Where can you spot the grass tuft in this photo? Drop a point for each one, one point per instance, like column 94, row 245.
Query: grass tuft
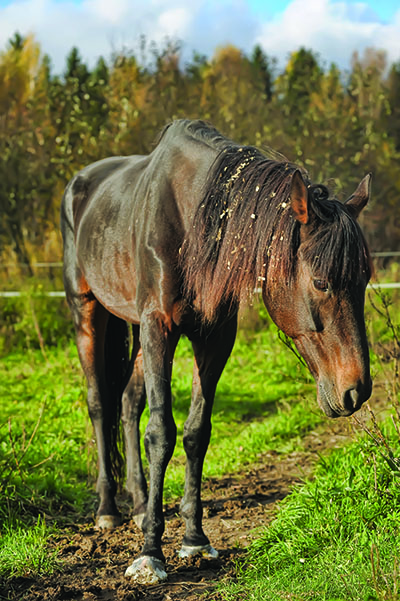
column 24, row 551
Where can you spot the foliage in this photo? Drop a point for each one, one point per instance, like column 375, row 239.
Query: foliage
column 48, row 431
column 265, row 401
column 34, row 320
column 338, row 125
column 44, row 427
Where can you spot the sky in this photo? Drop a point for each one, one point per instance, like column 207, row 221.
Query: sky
column 332, row 28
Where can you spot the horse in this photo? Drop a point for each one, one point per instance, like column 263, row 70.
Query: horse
column 170, row 244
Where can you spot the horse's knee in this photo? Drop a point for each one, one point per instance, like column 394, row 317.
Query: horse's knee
column 160, row 437
column 196, row 436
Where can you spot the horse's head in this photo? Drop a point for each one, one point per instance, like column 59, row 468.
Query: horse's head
column 321, row 305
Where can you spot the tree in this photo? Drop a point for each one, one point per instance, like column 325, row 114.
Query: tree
column 19, row 69
column 300, row 80
column 393, row 97
column 338, row 127
column 263, row 68
column 128, row 97
column 79, row 109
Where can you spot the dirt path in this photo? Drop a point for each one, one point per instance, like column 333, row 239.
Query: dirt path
column 94, row 561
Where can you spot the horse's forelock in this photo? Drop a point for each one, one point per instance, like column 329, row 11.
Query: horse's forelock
column 335, row 248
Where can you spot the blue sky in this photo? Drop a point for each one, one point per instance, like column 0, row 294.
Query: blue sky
column 332, row 28
column 384, row 9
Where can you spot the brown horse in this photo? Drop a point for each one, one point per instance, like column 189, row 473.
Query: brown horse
column 171, row 243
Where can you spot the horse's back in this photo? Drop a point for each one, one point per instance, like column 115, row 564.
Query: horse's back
column 89, row 185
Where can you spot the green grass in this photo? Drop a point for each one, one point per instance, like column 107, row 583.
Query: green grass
column 44, row 398
column 336, row 536
column 46, row 454
column 24, row 551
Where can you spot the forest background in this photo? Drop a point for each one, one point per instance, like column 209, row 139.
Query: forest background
column 338, row 125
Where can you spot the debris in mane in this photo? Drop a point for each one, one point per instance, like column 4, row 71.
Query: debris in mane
column 244, row 228
column 237, row 227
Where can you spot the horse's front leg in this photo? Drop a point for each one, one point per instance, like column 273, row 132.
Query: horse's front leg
column 211, row 353
column 158, row 347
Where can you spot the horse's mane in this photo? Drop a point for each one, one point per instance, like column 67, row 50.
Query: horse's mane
column 244, row 228
column 197, row 130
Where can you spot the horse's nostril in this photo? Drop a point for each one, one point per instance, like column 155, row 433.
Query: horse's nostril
column 350, row 402
column 353, row 398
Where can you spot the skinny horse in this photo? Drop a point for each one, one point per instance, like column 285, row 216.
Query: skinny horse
column 172, row 243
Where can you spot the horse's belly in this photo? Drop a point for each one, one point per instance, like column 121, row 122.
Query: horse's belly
column 117, row 295
column 110, row 274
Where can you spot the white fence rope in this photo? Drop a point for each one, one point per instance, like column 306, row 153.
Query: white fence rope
column 17, row 293
column 61, row 293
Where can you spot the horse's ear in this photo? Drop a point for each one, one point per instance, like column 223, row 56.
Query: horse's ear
column 361, row 196
column 299, row 198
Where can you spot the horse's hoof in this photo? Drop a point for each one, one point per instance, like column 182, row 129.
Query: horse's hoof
column 147, row 570
column 108, row 521
column 138, row 519
column 206, row 551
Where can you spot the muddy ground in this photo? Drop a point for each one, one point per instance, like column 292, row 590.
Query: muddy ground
column 235, row 507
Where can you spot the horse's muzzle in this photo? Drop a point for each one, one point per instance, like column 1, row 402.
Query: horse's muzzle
column 347, row 403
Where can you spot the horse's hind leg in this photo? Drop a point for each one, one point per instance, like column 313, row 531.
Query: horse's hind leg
column 91, row 319
column 90, row 342
column 133, row 403
column 211, row 353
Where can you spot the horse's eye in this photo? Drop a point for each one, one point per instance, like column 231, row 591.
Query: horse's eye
column 321, row 285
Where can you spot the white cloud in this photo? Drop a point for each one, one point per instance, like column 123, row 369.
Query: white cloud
column 174, row 21
column 332, row 28
column 114, row 12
